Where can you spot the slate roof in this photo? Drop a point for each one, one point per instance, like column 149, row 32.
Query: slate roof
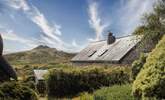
column 100, row 51
column 39, row 74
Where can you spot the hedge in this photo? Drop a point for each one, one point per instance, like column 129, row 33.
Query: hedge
column 65, row 83
column 16, row 91
column 137, row 65
column 150, row 82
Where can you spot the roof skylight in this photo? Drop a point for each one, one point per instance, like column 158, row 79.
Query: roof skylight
column 101, row 54
column 92, row 54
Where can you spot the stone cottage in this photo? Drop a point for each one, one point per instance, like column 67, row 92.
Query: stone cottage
column 122, row 50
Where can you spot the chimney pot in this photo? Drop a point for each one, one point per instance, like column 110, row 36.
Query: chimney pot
column 111, row 38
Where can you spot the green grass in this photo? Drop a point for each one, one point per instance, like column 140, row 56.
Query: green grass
column 117, row 92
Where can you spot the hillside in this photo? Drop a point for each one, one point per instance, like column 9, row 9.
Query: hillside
column 39, row 55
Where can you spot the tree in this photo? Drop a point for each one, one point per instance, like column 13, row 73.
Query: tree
column 153, row 27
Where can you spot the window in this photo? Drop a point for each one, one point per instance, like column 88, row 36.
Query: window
column 92, row 54
column 103, row 53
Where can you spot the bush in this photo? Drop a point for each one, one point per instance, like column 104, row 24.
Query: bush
column 73, row 81
column 116, row 92
column 150, row 82
column 29, row 84
column 16, row 91
column 137, row 65
column 85, row 96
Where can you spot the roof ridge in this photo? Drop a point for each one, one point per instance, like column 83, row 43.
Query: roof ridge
column 116, row 38
column 124, row 36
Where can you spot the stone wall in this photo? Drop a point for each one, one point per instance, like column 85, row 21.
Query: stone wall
column 134, row 54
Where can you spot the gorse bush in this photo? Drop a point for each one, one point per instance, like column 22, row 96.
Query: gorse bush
column 16, row 91
column 86, row 96
column 150, row 82
column 116, row 92
column 137, row 65
column 62, row 83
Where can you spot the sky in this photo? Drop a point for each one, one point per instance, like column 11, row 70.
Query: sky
column 67, row 25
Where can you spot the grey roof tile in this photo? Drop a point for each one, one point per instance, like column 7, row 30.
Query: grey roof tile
column 114, row 52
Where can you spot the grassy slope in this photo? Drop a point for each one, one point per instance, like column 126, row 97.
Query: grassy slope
column 39, row 55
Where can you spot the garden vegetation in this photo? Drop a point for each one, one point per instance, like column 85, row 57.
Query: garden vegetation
column 16, row 91
column 72, row 81
column 150, row 82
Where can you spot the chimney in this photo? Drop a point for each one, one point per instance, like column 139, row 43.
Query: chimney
column 111, row 38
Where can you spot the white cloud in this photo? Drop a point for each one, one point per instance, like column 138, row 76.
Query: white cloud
column 130, row 13
column 95, row 21
column 39, row 19
column 19, row 4
column 11, row 36
column 74, row 43
column 51, row 33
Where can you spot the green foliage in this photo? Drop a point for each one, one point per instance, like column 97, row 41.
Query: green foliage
column 41, row 88
column 153, row 28
column 16, row 91
column 116, row 92
column 86, row 96
column 137, row 65
column 150, row 82
column 140, row 30
column 29, row 84
column 71, row 81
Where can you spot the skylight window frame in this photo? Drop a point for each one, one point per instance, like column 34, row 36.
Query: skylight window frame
column 103, row 53
column 92, row 53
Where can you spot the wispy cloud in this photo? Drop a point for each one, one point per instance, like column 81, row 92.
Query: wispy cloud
column 10, row 35
column 19, row 4
column 130, row 13
column 38, row 18
column 50, row 33
column 95, row 20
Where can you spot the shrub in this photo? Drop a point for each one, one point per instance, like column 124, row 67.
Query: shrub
column 73, row 81
column 86, row 96
column 16, row 91
column 137, row 65
column 29, row 84
column 150, row 82
column 116, row 92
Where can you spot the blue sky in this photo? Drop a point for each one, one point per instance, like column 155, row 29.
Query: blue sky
column 67, row 25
